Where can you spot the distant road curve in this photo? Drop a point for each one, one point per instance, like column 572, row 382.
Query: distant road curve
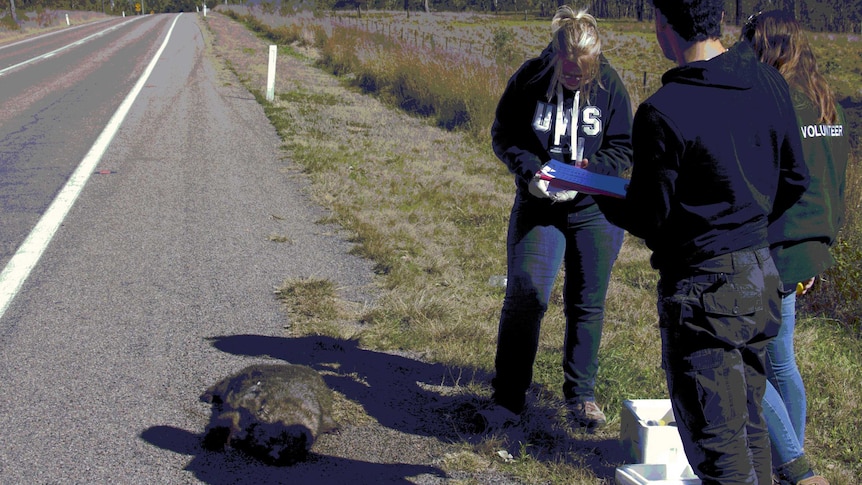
column 37, row 44
column 25, row 258
column 57, row 93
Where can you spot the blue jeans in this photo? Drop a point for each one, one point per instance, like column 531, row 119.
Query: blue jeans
column 716, row 321
column 543, row 237
column 784, row 404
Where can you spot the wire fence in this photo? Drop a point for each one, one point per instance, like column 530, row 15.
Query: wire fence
column 640, row 83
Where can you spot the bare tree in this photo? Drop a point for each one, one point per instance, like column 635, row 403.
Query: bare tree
column 12, row 7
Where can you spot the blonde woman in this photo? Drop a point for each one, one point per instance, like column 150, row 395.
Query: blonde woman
column 800, row 239
column 568, row 104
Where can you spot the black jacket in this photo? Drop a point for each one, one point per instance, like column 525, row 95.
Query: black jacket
column 523, row 142
column 717, row 156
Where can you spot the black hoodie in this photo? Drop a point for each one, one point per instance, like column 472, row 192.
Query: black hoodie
column 524, row 144
column 717, row 156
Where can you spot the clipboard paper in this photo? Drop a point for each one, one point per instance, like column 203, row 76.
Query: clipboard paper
column 563, row 176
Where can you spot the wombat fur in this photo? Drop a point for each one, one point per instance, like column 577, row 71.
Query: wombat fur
column 273, row 412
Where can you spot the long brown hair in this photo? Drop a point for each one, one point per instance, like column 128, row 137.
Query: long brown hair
column 778, row 40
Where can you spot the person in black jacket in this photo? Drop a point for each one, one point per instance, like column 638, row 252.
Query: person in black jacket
column 717, row 156
column 568, row 104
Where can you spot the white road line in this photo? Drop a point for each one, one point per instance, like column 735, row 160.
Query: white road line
column 25, row 259
column 69, row 46
column 53, row 32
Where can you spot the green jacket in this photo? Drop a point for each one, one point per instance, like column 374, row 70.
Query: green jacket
column 801, row 237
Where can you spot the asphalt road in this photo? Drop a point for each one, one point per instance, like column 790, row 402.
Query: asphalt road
column 108, row 343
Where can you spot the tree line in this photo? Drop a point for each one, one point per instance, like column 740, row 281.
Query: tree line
column 816, row 15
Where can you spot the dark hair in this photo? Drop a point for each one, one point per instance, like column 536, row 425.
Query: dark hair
column 693, row 20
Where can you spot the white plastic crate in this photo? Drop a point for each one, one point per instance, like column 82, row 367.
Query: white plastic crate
column 648, row 432
column 656, row 474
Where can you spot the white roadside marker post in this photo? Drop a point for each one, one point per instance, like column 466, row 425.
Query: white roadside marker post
column 270, row 75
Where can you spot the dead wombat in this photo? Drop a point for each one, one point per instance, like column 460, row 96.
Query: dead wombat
column 273, row 412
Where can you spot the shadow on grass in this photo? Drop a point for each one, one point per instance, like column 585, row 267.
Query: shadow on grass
column 400, row 393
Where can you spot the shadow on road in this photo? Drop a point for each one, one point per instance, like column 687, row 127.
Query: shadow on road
column 399, row 392
column 219, row 468
column 402, row 394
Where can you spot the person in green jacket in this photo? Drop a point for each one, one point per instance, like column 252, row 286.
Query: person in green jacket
column 800, row 239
